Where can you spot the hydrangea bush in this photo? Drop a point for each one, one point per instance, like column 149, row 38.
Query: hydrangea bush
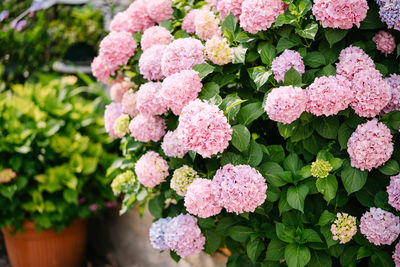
column 266, row 127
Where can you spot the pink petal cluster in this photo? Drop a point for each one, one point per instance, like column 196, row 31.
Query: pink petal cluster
column 340, row 13
column 118, row 89
column 117, row 48
column 138, row 17
column 150, row 63
column 370, row 146
column 328, row 95
column 286, row 103
column 239, row 188
column 394, row 83
column 172, row 145
column 188, row 21
column 151, row 169
column 129, row 100
column 149, row 100
column 224, row 7
column 396, row 255
column 384, row 42
column 181, row 88
column 371, row 93
column 200, row 200
column 159, row 10
column 393, row 191
column 353, row 60
column 182, row 54
column 344, row 227
column 204, row 128
column 285, row 61
column 218, row 51
column 155, row 35
column 206, row 25
column 380, row 227
column 101, row 70
column 111, row 114
column 259, row 15
column 147, row 128
column 184, row 236
column 122, row 22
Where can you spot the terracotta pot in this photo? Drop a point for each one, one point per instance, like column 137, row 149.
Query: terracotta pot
column 47, row 248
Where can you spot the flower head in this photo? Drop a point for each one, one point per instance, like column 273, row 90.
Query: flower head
column 128, row 102
column 389, row 14
column 147, row 128
column 352, row 60
column 396, row 255
column 118, row 89
column 127, row 177
column 224, row 7
column 320, row 168
column 159, row 10
column 101, row 70
column 6, row 175
column 188, row 21
column 218, row 51
column 157, row 233
column 150, row 63
column 393, row 191
column 172, row 145
column 138, row 18
column 394, row 82
column 384, row 42
column 111, row 114
column 285, row 61
column 182, row 178
column 151, row 169
column 344, row 227
column 149, row 100
column 206, row 25
column 121, row 125
column 155, row 35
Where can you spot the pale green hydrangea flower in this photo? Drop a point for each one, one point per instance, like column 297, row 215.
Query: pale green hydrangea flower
column 127, row 177
column 182, row 178
column 320, row 168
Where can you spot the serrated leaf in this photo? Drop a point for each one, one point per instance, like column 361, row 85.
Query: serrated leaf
column 296, row 195
column 240, row 137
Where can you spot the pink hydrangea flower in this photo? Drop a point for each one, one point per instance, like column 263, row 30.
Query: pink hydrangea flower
column 188, row 21
column 344, row 227
column 370, row 146
column 206, row 25
column 181, row 88
column 224, row 7
column 200, row 200
column 155, row 35
column 159, row 10
column 340, row 13
column 394, row 82
column 138, row 17
column 111, row 114
column 218, row 51
column 204, row 128
column 147, row 128
column 352, row 60
column 396, row 255
column 371, row 93
column 150, row 63
column 259, row 15
column 286, row 103
column 239, row 188
column 384, row 42
column 380, row 227
column 172, row 145
column 182, row 54
column 118, row 89
column 184, row 236
column 393, row 191
column 328, row 95
column 285, row 61
column 151, row 169
column 101, row 70
column 129, row 100
column 149, row 99
column 122, row 22
column 117, row 48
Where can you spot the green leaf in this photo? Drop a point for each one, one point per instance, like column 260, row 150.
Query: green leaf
column 336, row 163
column 203, row 69
column 353, row 179
column 344, row 134
column 287, row 43
column 174, row 256
column 233, row 158
column 334, row 35
column 156, row 206
column 326, row 218
column 259, row 75
column 297, row 255
column 225, row 224
column 209, row 90
column 292, row 163
column 267, row 52
column 398, row 50
column 292, row 77
column 372, row 21
column 285, row 233
column 254, row 249
column 239, row 55
column 319, row 259
column 213, row 241
column 275, row 250
column 240, row 233
column 327, row 187
column 71, row 196
column 363, row 252
column 382, row 259
column 249, row 113
column 309, row 31
column 274, row 152
column 231, row 105
column 381, row 199
column 310, row 235
column 254, row 154
column 329, row 70
column 296, row 196
column 240, row 137
column 314, row 59
column 327, row 126
column 272, row 171
column 229, row 23
column 390, row 168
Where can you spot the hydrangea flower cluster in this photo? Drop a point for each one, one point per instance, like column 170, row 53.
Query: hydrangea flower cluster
column 155, row 35
column 150, row 63
column 204, row 128
column 149, row 100
column 188, row 21
column 218, row 51
column 340, row 13
column 328, row 95
column 159, row 10
column 259, row 15
column 224, row 7
column 157, row 233
column 129, row 101
column 393, row 191
column 181, row 88
column 206, row 25
column 118, row 90
column 137, row 16
column 182, row 54
column 200, row 200
column 396, row 255
column 394, row 82
column 284, row 62
column 121, row 125
column 7, row 175
column 320, row 168
column 127, row 177
column 182, row 178
column 285, row 104
column 370, row 146
column 380, row 227
column 101, row 70
column 184, row 236
column 239, row 188
column 344, row 227
column 389, row 13
column 151, row 169
column 111, row 114
column 172, row 145
column 147, row 128
column 384, row 42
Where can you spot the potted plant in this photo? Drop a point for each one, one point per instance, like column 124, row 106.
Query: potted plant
column 53, row 159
